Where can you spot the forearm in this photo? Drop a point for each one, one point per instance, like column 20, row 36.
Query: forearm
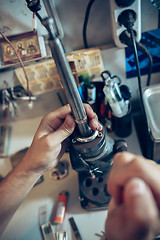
column 14, row 189
column 46, row 149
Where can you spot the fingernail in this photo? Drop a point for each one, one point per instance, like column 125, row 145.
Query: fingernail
column 96, row 124
column 100, row 127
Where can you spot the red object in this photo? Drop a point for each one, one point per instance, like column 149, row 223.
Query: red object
column 103, row 110
column 61, row 207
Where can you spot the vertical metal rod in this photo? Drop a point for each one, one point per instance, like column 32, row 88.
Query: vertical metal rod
column 52, row 13
column 68, row 80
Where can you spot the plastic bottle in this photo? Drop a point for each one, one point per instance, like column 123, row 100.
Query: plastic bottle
column 113, row 102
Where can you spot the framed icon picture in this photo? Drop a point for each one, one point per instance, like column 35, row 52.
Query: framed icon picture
column 26, row 44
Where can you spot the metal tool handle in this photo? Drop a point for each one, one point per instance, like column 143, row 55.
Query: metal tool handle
column 52, row 13
column 67, row 79
column 62, row 65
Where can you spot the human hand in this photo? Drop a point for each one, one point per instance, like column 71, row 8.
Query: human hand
column 49, row 142
column 133, row 212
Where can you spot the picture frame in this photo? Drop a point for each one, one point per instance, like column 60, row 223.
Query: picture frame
column 26, row 44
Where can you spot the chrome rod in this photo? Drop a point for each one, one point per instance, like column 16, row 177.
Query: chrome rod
column 52, row 13
column 68, row 80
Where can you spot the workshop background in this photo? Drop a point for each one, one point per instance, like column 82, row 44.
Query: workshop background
column 16, row 18
column 20, row 118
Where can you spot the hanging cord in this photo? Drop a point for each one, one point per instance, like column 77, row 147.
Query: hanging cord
column 142, row 48
column 136, row 62
column 158, row 18
column 21, row 62
column 86, row 23
column 138, row 73
column 126, row 39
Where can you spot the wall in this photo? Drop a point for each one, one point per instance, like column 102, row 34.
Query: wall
column 16, row 18
column 14, row 14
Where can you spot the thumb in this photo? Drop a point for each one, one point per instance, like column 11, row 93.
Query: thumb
column 65, row 130
column 140, row 205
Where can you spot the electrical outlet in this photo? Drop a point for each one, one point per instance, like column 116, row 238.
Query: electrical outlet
column 117, row 7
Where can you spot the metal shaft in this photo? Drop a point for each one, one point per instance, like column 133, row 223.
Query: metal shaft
column 52, row 13
column 68, row 80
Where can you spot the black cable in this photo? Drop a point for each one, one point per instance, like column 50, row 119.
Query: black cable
column 136, row 61
column 39, row 17
column 86, row 23
column 142, row 48
column 159, row 18
column 126, row 39
column 138, row 74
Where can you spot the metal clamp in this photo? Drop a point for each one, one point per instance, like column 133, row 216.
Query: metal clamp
column 88, row 139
